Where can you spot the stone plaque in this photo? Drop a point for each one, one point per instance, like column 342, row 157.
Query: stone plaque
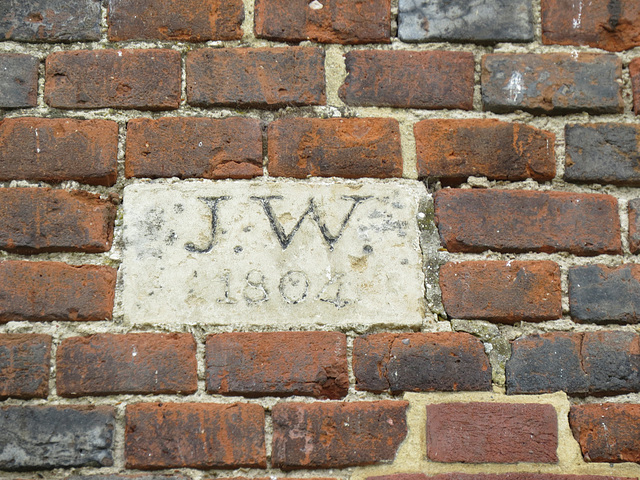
column 274, row 252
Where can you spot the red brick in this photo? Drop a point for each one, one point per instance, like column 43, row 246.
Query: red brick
column 421, row 362
column 522, row 221
column 194, row 435
column 24, row 365
column 606, row 24
column 255, row 77
column 466, row 432
column 178, row 20
column 34, row 220
column 278, row 363
column 634, row 225
column 58, row 149
column 453, row 150
column 106, row 364
column 194, row 147
column 392, row 78
column 52, row 291
column 336, row 435
column 334, row 147
column 333, row 21
column 129, row 79
column 494, row 476
column 634, row 72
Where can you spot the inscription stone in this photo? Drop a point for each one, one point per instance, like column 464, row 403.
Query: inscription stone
column 265, row 252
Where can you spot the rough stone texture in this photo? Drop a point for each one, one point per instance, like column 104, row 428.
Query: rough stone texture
column 328, row 21
column 194, row 147
column 392, row 78
column 34, row 220
column 634, row 225
column 52, row 291
column 478, row 21
column 107, row 364
column 255, row 77
column 452, row 150
column 336, row 435
column 634, row 72
column 612, row 25
column 58, row 149
column 334, row 147
column 129, row 79
column 552, row 84
column 278, row 363
column 18, row 79
column 24, row 365
column 50, row 20
column 607, row 432
column 466, row 432
column 494, row 476
column 194, row 435
column 420, row 362
column 521, row 221
column 153, row 477
column 46, row 437
column 178, row 20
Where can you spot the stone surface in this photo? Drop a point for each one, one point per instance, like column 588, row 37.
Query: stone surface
column 135, row 477
column 634, row 225
column 18, row 79
column 634, row 72
column 494, row 476
column 24, row 365
column 478, row 21
column 259, row 252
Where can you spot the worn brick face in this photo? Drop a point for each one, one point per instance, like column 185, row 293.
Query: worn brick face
column 24, row 365
column 494, row 476
column 18, row 79
column 634, row 72
column 634, row 225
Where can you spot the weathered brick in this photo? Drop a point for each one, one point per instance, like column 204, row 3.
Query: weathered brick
column 479, row 21
column 329, row 21
column 18, row 80
column 278, row 363
column 181, row 20
column 552, row 84
column 466, row 432
column 133, row 477
column 194, row 435
column 606, row 24
column 194, row 147
column 42, row 291
column 130, row 79
column 50, row 20
column 607, row 432
column 634, row 225
column 634, row 72
column 58, row 149
column 255, row 77
column 334, row 147
column 453, row 150
column 494, row 476
column 106, row 364
column 446, row 361
column 506, row 292
column 521, row 221
column 335, row 435
column 393, row 78
column 36, row 220
column 24, row 365
column 271, row 478
column 46, row 437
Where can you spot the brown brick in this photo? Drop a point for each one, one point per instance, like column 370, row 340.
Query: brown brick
column 179, row 20
column 506, row 292
column 34, row 220
column 278, row 363
column 453, row 150
column 58, row 149
column 194, row 435
column 334, row 147
column 634, row 225
column 606, row 24
column 634, row 72
column 24, row 365
column 336, row 435
column 494, row 476
column 421, row 362
column 255, row 77
column 392, row 78
column 44, row 291
column 106, row 364
column 329, row 21
column 194, row 147
column 128, row 78
column 521, row 221
column 466, row 432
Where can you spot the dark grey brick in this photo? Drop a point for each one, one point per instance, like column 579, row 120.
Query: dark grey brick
column 43, row 437
column 18, row 80
column 480, row 21
column 612, row 361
